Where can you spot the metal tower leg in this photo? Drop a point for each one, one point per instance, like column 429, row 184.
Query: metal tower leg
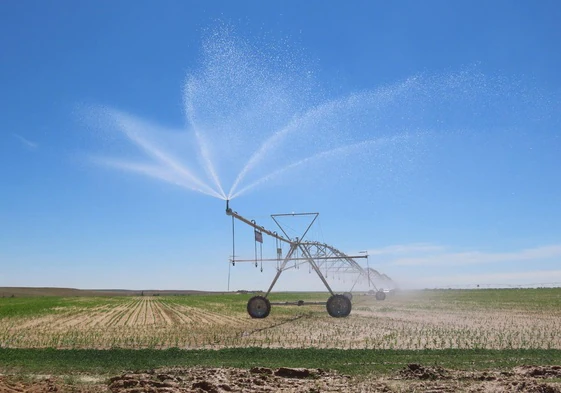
column 287, row 258
column 315, row 267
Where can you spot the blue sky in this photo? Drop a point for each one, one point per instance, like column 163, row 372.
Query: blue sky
column 441, row 123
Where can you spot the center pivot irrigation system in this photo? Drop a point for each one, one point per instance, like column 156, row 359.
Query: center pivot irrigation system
column 322, row 258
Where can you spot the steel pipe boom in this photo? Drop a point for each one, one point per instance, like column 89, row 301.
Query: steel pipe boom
column 297, row 259
column 234, row 214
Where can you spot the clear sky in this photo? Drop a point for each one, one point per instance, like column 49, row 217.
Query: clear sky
column 426, row 132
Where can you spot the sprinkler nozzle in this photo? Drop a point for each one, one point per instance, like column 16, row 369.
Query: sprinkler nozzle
column 228, row 210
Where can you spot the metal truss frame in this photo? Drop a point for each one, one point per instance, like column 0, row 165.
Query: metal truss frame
column 322, row 258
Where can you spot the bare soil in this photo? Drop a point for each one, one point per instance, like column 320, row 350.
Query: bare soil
column 413, row 378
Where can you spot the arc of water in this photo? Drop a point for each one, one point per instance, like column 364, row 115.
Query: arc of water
column 209, row 167
column 278, row 136
column 155, row 172
column 203, row 147
column 125, row 121
column 272, row 141
column 303, row 161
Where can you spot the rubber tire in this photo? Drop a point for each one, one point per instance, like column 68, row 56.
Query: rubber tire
column 380, row 295
column 258, row 307
column 338, row 306
column 348, row 295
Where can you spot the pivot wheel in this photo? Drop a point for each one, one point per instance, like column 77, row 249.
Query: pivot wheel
column 339, row 306
column 258, row 307
column 380, row 295
column 348, row 295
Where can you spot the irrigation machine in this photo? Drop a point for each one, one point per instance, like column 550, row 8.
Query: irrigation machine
column 322, row 258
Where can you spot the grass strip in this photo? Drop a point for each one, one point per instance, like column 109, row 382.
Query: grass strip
column 353, row 361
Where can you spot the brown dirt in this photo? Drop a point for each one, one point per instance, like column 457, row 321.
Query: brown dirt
column 11, row 385
column 413, row 378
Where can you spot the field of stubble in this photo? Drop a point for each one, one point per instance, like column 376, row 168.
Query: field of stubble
column 486, row 319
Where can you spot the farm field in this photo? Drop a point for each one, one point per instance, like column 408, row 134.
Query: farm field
column 408, row 338
column 483, row 319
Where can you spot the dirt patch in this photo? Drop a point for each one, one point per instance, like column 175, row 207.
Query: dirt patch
column 417, row 371
column 218, row 380
column 46, row 385
column 416, row 377
column 539, row 371
column 412, row 378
